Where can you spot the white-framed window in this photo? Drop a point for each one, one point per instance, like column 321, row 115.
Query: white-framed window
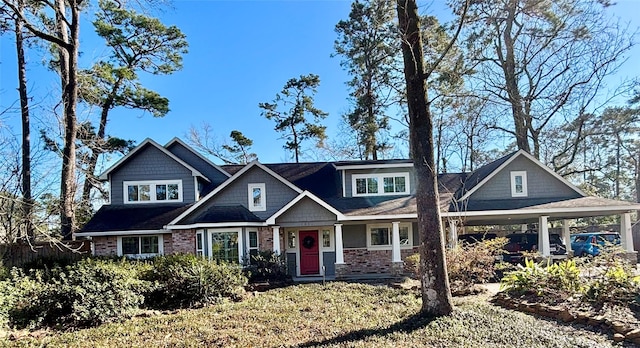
column 257, row 197
column 291, row 240
column 224, row 246
column 160, row 191
column 140, row 246
column 200, row 243
column 380, row 184
column 379, row 236
column 252, row 244
column 519, row 184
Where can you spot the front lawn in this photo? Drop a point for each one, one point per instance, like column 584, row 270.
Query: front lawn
column 338, row 314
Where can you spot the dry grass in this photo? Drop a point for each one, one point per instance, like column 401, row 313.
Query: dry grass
column 336, row 315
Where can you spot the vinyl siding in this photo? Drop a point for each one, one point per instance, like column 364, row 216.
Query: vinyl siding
column 354, row 236
column 276, row 192
column 291, row 264
column 151, row 164
column 349, row 175
column 329, row 262
column 212, row 173
column 306, row 213
column 540, row 183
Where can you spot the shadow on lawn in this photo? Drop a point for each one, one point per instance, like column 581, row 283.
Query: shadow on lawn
column 410, row 324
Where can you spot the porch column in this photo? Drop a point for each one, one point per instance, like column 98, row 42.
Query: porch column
column 626, row 235
column 543, row 237
column 276, row 240
column 395, row 242
column 339, row 246
column 566, row 235
column 453, row 233
column 524, row 228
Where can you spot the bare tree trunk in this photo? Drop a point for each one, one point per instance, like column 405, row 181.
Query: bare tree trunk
column 68, row 73
column 436, row 293
column 511, row 83
column 27, row 203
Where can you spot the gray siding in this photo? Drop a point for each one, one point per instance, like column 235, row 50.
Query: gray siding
column 291, row 264
column 212, row 173
column 349, row 175
column 354, row 236
column 540, row 184
column 306, row 213
column 329, row 262
column 276, row 192
column 151, row 164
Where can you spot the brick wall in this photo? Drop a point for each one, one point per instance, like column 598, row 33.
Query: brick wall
column 105, row 246
column 183, row 241
column 167, row 243
column 265, row 236
column 363, row 261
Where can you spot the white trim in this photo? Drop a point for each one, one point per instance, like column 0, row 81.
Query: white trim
column 179, row 141
column 514, row 189
column 540, row 211
column 120, row 251
column 215, row 225
column 380, row 180
column 272, row 219
column 378, row 217
column 375, row 166
column 105, row 175
column 263, row 197
column 119, row 233
column 507, row 162
column 152, row 191
column 231, row 180
column 196, row 189
column 332, row 242
column 210, row 233
column 389, row 226
column 344, row 184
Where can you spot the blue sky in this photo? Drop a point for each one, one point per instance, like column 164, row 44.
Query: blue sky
column 241, row 53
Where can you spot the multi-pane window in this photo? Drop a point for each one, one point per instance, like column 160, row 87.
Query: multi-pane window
column 224, row 246
column 140, row 245
column 326, row 239
column 153, row 192
column 519, row 184
column 253, row 244
column 257, row 197
column 380, row 235
column 200, row 243
column 380, row 184
column 291, row 240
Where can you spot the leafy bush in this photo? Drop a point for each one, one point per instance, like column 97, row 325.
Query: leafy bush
column 267, row 266
column 187, row 280
column 611, row 279
column 555, row 282
column 88, row 293
column 412, row 264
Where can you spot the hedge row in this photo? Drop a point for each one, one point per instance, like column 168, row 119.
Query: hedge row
column 94, row 291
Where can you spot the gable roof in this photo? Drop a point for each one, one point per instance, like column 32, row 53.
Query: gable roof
column 483, row 174
column 231, row 180
column 272, row 219
column 177, row 140
column 144, row 143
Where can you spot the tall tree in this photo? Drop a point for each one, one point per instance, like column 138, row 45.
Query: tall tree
column 368, row 44
column 61, row 30
column 27, row 199
column 289, row 110
column 540, row 61
column 240, row 148
column 138, row 43
column 436, row 293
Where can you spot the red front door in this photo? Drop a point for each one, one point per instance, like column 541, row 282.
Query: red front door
column 309, row 256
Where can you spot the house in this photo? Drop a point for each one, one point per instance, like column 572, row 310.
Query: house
column 338, row 219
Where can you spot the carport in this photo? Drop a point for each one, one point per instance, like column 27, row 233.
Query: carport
column 542, row 214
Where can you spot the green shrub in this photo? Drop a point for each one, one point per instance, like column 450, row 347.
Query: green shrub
column 190, row 281
column 553, row 282
column 267, row 266
column 89, row 293
column 611, row 279
column 412, row 264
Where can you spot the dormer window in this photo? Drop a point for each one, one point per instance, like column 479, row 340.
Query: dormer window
column 161, row 191
column 257, row 197
column 519, row 184
column 380, row 184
